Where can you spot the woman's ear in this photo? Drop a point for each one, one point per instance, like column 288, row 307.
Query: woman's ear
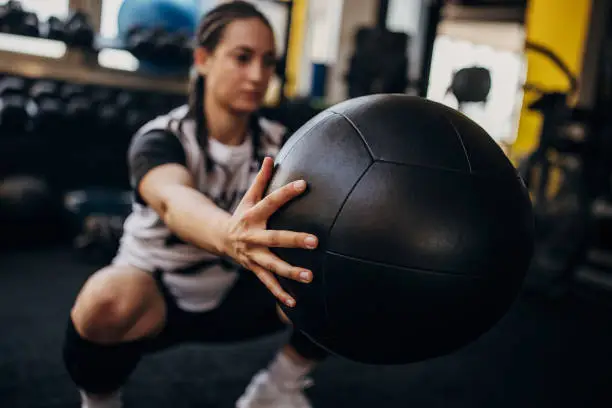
column 201, row 59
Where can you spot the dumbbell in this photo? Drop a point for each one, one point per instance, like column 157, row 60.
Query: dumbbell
column 13, row 84
column 30, row 25
column 55, row 29
column 143, row 42
column 48, row 111
column 102, row 95
column 130, row 104
column 14, row 20
column 69, row 90
column 50, row 116
column 79, row 109
column 109, row 116
column 14, row 115
column 108, row 112
column 11, row 15
column 78, row 30
column 173, row 48
column 44, row 89
column 77, row 102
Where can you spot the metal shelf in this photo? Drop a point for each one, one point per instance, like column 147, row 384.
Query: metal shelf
column 80, row 66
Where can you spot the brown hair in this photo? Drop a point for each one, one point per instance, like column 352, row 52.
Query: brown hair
column 209, row 33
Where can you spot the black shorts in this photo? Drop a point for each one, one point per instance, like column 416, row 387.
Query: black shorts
column 247, row 312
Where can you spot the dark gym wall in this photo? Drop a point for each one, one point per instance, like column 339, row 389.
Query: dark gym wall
column 598, row 29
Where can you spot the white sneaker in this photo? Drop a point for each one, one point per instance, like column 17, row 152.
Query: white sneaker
column 110, row 401
column 262, row 392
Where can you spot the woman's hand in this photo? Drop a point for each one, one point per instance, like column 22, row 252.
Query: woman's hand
column 248, row 240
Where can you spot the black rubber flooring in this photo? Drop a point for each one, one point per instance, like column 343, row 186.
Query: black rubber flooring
column 542, row 354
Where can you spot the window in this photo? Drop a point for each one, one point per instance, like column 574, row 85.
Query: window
column 501, row 113
column 277, row 14
column 45, row 8
column 36, row 46
column 108, row 19
column 32, row 46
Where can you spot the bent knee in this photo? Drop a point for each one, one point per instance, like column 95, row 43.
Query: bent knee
column 112, row 308
column 101, row 316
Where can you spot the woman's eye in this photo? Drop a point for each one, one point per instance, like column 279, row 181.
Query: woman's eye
column 243, row 58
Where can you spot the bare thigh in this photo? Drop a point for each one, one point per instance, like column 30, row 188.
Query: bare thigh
column 117, row 304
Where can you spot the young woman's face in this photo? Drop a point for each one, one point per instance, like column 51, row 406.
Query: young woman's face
column 239, row 70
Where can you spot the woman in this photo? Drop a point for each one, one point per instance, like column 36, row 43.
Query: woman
column 194, row 263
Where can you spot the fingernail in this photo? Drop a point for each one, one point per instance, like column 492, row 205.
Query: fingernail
column 299, row 185
column 290, row 302
column 305, row 276
column 310, row 242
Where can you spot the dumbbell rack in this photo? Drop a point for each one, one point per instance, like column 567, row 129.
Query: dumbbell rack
column 72, row 65
column 99, row 155
column 81, row 66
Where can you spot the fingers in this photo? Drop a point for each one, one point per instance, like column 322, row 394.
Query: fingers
column 272, row 263
column 281, row 239
column 270, row 281
column 255, row 192
column 269, row 205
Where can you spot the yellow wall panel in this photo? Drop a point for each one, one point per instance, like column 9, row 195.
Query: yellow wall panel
column 562, row 26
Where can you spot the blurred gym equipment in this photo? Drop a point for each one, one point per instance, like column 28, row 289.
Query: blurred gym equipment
column 30, row 211
column 15, row 20
column 158, row 32
column 169, row 15
column 561, row 216
column 564, row 176
column 159, row 45
column 78, row 31
column 57, row 125
column 379, row 64
column 97, row 216
column 47, row 108
column 55, row 29
column 13, row 113
column 470, row 85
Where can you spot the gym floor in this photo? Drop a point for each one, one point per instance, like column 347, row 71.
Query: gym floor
column 542, row 354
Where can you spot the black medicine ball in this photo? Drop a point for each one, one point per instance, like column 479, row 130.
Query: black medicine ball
column 425, row 229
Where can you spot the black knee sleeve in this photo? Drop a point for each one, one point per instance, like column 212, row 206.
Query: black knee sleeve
column 306, row 347
column 96, row 368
